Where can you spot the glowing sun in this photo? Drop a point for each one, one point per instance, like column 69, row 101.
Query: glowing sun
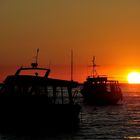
column 134, row 78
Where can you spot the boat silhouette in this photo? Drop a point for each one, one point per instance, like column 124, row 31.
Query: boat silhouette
column 98, row 90
column 36, row 103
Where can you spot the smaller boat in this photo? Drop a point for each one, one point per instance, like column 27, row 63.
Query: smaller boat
column 98, row 90
column 32, row 102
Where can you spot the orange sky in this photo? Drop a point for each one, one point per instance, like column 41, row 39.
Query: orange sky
column 107, row 29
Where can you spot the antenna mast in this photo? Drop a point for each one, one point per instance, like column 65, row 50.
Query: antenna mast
column 94, row 67
column 37, row 55
column 71, row 65
column 34, row 65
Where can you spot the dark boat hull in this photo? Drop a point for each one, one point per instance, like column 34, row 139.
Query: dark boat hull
column 101, row 101
column 34, row 115
column 103, row 98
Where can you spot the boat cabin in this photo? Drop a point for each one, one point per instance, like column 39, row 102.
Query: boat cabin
column 37, row 85
column 101, row 84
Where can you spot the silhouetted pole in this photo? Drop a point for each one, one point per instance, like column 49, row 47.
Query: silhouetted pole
column 94, row 67
column 37, row 55
column 70, row 87
column 71, row 65
column 34, row 65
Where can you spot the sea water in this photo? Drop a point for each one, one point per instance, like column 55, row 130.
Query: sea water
column 100, row 122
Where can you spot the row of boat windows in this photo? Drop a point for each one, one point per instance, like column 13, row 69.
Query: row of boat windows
column 113, row 88
column 58, row 95
column 104, row 86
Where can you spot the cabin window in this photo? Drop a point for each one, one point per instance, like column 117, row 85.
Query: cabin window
column 113, row 87
column 50, row 91
column 42, row 90
column 22, row 90
column 108, row 88
column 58, row 96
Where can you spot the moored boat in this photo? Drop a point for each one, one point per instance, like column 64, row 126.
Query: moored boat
column 36, row 103
column 98, row 90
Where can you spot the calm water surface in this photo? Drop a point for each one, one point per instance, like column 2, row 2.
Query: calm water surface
column 101, row 122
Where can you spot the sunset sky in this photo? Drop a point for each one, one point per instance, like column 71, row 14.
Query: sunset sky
column 107, row 29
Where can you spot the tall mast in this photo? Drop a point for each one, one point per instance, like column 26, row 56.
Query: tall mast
column 37, row 55
column 71, row 65
column 34, row 65
column 94, row 72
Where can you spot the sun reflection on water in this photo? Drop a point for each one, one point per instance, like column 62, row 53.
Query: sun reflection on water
column 132, row 138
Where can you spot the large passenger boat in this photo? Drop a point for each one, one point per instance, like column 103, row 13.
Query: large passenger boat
column 32, row 102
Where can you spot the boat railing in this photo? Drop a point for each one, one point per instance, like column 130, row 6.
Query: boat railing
column 21, row 69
